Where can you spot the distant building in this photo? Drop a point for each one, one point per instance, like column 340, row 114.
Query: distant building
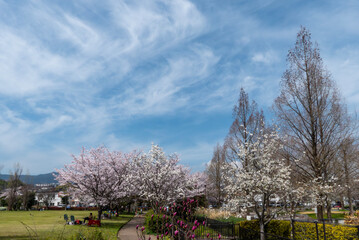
column 48, row 198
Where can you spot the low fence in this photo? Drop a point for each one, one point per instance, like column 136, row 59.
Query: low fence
column 316, row 230
column 213, row 229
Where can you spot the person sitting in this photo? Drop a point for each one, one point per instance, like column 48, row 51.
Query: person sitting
column 88, row 218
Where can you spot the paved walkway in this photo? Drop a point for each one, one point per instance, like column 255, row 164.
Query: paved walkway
column 128, row 232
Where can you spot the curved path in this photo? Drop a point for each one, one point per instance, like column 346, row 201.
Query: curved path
column 128, row 231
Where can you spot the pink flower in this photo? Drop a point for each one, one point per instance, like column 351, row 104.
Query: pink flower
column 166, row 233
column 193, row 236
column 207, row 235
column 152, row 216
column 194, row 228
column 137, row 227
column 143, row 229
column 219, row 236
column 174, row 214
column 204, row 222
column 176, row 233
column 195, row 222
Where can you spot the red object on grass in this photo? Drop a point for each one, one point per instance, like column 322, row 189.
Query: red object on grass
column 94, row 223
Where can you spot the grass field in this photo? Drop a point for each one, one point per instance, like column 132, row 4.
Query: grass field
column 51, row 225
column 336, row 214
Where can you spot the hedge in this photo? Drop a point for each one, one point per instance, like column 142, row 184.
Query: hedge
column 340, row 232
column 302, row 230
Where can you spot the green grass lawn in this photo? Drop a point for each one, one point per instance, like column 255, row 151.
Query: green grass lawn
column 51, row 225
column 334, row 215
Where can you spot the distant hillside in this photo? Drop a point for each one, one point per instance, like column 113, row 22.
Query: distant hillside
column 34, row 179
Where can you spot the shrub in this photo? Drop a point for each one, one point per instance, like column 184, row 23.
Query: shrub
column 308, row 230
column 352, row 219
column 88, row 235
column 250, row 229
column 278, row 228
column 303, row 230
column 155, row 224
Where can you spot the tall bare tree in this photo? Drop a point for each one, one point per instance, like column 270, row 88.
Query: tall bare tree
column 215, row 174
column 247, row 124
column 14, row 184
column 349, row 168
column 309, row 110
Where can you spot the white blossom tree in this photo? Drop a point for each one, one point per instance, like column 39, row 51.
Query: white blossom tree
column 97, row 176
column 265, row 177
column 159, row 179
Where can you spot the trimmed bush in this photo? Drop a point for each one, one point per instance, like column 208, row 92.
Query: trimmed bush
column 278, row 228
column 308, row 230
column 250, row 229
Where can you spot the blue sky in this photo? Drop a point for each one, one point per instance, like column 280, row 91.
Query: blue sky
column 128, row 73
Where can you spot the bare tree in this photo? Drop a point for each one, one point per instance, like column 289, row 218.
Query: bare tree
column 25, row 191
column 14, row 185
column 248, row 121
column 309, row 110
column 215, row 174
column 349, row 168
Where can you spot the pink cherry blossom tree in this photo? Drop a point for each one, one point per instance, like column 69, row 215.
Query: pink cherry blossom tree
column 97, row 176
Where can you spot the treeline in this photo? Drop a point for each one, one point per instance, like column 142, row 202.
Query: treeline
column 318, row 138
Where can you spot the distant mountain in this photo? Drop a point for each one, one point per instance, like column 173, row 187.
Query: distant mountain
column 34, row 179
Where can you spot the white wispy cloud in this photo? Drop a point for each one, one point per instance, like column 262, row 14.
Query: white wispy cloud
column 80, row 73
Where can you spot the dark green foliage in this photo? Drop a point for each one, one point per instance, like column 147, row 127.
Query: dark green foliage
column 31, row 200
column 65, row 200
column 3, row 184
column 3, row 202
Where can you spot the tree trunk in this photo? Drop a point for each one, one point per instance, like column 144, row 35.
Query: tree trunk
column 329, row 211
column 261, row 227
column 292, row 225
column 347, row 183
column 320, row 214
column 99, row 213
column 350, row 201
